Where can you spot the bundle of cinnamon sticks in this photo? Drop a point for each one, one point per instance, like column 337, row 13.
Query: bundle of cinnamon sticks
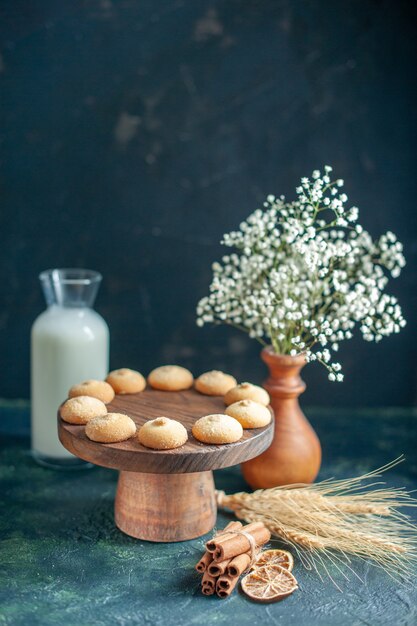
column 228, row 554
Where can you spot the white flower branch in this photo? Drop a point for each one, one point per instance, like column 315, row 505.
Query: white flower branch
column 304, row 274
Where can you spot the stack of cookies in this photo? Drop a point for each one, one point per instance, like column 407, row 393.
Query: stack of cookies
column 247, row 407
column 87, row 401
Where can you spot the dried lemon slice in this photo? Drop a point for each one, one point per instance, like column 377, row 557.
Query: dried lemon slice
column 269, row 583
column 275, row 557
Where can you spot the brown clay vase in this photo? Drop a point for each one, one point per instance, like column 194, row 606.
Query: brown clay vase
column 294, row 455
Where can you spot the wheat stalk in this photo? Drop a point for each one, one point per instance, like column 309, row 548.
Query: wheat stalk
column 336, row 518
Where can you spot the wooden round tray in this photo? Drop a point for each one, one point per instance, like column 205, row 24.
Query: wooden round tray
column 165, row 495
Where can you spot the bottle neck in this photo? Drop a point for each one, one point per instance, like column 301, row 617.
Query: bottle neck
column 79, row 308
column 70, row 288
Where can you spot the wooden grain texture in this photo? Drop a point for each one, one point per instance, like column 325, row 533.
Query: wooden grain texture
column 165, row 507
column 295, row 453
column 194, row 456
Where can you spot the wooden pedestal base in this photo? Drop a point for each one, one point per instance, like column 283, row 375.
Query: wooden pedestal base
column 165, row 507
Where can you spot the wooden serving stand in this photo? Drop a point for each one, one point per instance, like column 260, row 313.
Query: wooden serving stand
column 165, row 495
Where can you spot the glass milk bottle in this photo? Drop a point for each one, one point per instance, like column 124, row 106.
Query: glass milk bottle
column 69, row 344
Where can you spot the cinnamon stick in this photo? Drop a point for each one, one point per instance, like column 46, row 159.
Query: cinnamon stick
column 204, row 562
column 238, row 565
column 218, row 568
column 223, row 582
column 207, row 591
column 225, row 585
column 207, row 557
column 213, row 544
column 208, row 581
column 210, row 545
column 228, row 546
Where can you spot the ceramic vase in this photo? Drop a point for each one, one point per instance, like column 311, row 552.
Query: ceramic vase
column 295, row 453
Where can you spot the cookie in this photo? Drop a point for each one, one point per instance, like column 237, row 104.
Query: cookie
column 247, row 391
column 249, row 414
column 82, row 409
column 94, row 388
column 125, row 381
column 215, row 383
column 110, row 428
column 217, row 429
column 170, row 378
column 162, row 433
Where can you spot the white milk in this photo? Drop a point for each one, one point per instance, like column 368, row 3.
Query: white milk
column 68, row 345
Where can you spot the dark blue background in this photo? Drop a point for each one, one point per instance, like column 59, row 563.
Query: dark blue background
column 133, row 134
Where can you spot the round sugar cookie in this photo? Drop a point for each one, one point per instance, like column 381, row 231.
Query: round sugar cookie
column 94, row 388
column 162, row 433
column 126, row 381
column 249, row 414
column 215, row 383
column 247, row 391
column 82, row 409
column 170, row 378
column 217, row 429
column 110, row 428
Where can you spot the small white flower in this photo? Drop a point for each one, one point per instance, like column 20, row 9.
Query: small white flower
column 341, row 222
column 353, row 214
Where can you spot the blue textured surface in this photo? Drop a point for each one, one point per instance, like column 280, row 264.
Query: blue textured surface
column 64, row 562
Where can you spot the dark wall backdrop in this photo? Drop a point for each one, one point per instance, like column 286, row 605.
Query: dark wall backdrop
column 133, row 134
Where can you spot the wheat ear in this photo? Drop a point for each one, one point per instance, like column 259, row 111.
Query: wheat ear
column 336, row 518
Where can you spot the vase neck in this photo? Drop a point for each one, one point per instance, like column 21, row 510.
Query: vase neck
column 284, row 379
